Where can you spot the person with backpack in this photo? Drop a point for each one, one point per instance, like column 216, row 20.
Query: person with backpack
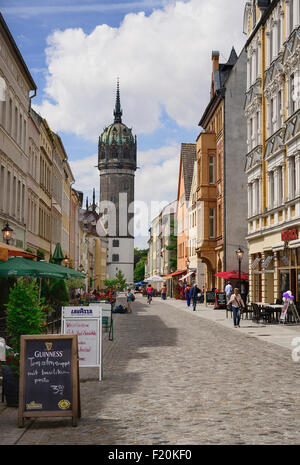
column 130, row 299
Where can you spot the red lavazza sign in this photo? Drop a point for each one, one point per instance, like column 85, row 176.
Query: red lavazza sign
column 289, row 235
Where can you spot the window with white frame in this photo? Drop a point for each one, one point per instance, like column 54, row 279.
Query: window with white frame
column 279, row 110
column 257, row 128
column 279, row 39
column 292, row 177
column 292, row 94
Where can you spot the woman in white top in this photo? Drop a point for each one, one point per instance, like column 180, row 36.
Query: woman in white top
column 236, row 302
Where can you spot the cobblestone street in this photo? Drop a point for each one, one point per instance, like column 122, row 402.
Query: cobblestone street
column 171, row 377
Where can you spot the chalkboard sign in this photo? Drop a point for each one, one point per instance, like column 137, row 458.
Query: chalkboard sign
column 220, row 300
column 49, row 377
column 210, row 297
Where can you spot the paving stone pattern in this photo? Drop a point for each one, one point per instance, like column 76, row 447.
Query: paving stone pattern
column 173, row 378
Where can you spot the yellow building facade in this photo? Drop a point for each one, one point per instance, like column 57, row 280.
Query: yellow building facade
column 273, row 148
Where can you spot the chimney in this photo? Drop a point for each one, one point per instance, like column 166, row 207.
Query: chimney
column 215, row 60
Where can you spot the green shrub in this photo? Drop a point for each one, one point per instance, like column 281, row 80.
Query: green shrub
column 58, row 293
column 24, row 312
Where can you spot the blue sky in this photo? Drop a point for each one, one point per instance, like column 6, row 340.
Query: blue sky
column 160, row 49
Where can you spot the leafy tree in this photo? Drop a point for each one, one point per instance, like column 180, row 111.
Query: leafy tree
column 40, row 255
column 139, row 272
column 46, row 290
column 111, row 283
column 59, row 294
column 74, row 283
column 25, row 312
column 5, row 285
column 172, row 247
column 139, row 254
column 121, row 280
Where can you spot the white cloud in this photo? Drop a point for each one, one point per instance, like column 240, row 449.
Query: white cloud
column 155, row 181
column 163, row 60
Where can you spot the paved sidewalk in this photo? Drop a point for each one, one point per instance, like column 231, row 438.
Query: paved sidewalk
column 280, row 334
column 176, row 377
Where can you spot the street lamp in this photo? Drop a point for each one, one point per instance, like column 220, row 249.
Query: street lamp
column 7, row 233
column 239, row 253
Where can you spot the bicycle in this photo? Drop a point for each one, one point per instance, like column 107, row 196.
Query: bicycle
column 149, row 299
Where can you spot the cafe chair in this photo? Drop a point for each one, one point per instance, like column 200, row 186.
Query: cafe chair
column 248, row 310
column 255, row 312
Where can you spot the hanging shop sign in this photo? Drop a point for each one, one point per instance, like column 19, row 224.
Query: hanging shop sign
column 290, row 235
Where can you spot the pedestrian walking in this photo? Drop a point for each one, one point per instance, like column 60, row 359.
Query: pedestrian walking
column 228, row 292
column 194, row 295
column 187, row 292
column 237, row 304
column 164, row 292
column 149, row 294
column 130, row 299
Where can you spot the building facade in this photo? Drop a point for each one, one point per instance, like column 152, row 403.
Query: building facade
column 33, row 184
column 187, row 160
column 273, row 154
column 221, row 192
column 117, row 166
column 16, row 85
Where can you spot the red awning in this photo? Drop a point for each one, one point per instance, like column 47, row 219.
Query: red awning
column 177, row 273
column 231, row 275
column 11, row 251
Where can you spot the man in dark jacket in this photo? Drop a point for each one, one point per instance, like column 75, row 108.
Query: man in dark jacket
column 194, row 295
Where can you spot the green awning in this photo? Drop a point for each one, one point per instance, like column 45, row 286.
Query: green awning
column 22, row 267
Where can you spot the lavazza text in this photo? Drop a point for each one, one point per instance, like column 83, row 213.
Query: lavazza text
column 157, row 454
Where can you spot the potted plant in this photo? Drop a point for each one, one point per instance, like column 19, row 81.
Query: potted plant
column 24, row 315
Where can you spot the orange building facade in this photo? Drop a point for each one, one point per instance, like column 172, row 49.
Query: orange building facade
column 221, row 194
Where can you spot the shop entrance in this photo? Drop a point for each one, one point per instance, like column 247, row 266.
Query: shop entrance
column 289, row 272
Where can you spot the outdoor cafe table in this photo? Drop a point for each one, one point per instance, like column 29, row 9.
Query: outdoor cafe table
column 276, row 309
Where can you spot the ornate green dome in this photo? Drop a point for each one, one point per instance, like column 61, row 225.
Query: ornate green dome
column 117, row 145
column 118, row 134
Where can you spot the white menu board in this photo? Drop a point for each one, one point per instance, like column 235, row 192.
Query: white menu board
column 86, row 322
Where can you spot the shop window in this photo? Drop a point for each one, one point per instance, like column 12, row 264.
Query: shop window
column 283, row 258
column 284, row 281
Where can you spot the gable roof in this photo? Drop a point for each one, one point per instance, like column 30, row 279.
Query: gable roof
column 188, row 158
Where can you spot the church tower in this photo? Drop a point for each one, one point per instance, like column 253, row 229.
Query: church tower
column 117, row 166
